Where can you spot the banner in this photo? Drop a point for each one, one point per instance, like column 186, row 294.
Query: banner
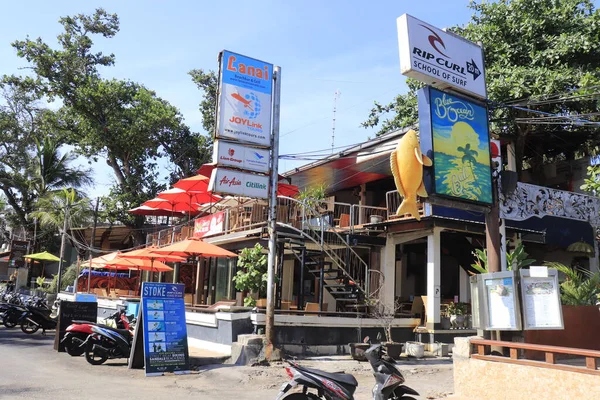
column 454, row 133
column 209, row 225
column 165, row 331
column 244, row 104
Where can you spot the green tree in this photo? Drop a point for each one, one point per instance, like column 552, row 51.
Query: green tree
column 541, row 55
column 119, row 120
column 207, row 82
column 579, row 287
column 55, row 206
column 252, row 277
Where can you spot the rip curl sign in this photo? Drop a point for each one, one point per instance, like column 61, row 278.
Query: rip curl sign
column 441, row 59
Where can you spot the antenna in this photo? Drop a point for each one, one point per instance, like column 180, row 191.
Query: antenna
column 336, row 95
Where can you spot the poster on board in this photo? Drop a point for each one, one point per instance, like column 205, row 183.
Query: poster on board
column 501, row 301
column 165, row 331
column 454, row 134
column 541, row 299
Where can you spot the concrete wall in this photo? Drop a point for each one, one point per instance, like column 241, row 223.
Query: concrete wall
column 478, row 379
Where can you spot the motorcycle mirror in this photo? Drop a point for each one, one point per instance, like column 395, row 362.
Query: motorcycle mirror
column 366, row 339
column 378, row 336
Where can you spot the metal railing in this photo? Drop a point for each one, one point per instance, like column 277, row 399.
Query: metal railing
column 361, row 215
column 393, row 201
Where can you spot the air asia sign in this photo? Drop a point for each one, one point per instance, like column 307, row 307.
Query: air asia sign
column 243, row 157
column 440, row 58
column 244, row 105
column 228, row 181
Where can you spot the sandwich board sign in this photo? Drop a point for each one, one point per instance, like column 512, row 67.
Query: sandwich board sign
column 164, row 329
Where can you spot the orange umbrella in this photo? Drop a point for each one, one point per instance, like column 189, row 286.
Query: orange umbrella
column 194, row 247
column 147, row 253
column 143, row 265
column 171, row 204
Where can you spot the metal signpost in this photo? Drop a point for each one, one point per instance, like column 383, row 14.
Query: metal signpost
column 246, row 148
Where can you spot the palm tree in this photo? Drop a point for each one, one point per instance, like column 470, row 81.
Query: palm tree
column 469, row 156
column 580, row 287
column 64, row 208
column 51, row 170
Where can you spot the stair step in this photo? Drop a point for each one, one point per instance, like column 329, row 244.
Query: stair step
column 341, row 285
column 326, row 271
column 348, row 300
column 339, row 293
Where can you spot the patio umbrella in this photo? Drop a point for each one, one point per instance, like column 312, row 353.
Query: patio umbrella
column 43, row 256
column 581, row 247
column 177, row 195
column 206, row 170
column 171, row 205
column 194, row 247
column 155, row 211
column 194, row 184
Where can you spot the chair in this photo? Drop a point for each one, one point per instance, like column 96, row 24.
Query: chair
column 314, row 307
column 416, row 308
column 344, row 220
column 188, row 298
column 285, row 305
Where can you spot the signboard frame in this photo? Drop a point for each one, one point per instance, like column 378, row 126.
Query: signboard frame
column 18, row 250
column 552, row 275
column 515, row 302
column 242, row 161
column 163, row 303
column 428, row 140
column 218, row 176
column 440, row 58
column 85, row 310
column 244, row 107
column 478, row 313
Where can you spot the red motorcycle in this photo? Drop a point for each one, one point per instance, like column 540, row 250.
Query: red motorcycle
column 78, row 332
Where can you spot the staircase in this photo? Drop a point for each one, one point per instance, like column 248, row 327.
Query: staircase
column 325, row 254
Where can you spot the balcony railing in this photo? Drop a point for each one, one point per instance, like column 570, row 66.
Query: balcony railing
column 393, row 201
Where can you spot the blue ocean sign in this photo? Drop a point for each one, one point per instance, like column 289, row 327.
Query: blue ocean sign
column 454, row 133
column 165, row 332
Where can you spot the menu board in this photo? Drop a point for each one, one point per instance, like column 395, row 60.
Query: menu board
column 501, row 301
column 165, row 332
column 541, row 300
column 70, row 311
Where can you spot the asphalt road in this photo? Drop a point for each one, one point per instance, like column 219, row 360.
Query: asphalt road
column 31, row 369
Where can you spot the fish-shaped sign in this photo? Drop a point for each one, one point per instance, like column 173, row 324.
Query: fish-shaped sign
column 407, row 163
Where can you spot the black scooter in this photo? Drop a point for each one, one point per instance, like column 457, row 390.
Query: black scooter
column 11, row 314
column 105, row 342
column 335, row 386
column 35, row 318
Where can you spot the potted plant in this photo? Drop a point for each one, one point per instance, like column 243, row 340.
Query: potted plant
column 385, row 315
column 458, row 312
column 252, row 275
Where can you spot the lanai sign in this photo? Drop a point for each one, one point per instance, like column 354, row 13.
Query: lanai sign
column 441, row 59
column 244, row 105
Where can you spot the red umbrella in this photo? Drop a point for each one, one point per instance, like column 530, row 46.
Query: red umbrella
column 194, row 184
column 168, row 205
column 155, row 211
column 181, row 196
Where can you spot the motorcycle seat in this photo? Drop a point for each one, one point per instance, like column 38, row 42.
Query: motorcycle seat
column 346, row 379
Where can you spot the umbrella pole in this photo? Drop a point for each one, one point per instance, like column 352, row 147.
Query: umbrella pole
column 89, row 273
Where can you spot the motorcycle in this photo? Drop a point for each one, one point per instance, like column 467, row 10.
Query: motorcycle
column 35, row 318
column 78, row 332
column 105, row 342
column 338, row 386
column 12, row 315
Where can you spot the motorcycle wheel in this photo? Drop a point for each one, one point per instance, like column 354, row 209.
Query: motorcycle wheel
column 9, row 322
column 94, row 359
column 300, row 396
column 29, row 327
column 73, row 349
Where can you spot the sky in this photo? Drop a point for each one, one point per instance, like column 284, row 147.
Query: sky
column 322, row 47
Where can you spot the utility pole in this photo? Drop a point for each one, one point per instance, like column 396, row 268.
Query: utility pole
column 270, row 323
column 336, row 95
column 93, row 243
column 62, row 249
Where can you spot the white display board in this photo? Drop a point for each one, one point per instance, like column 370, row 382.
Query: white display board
column 230, row 182
column 241, row 156
column 541, row 299
column 441, row 59
column 501, row 301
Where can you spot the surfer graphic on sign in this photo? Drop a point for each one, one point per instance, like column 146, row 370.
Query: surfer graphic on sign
column 406, row 163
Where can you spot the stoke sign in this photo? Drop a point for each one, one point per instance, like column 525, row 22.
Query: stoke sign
column 439, row 58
